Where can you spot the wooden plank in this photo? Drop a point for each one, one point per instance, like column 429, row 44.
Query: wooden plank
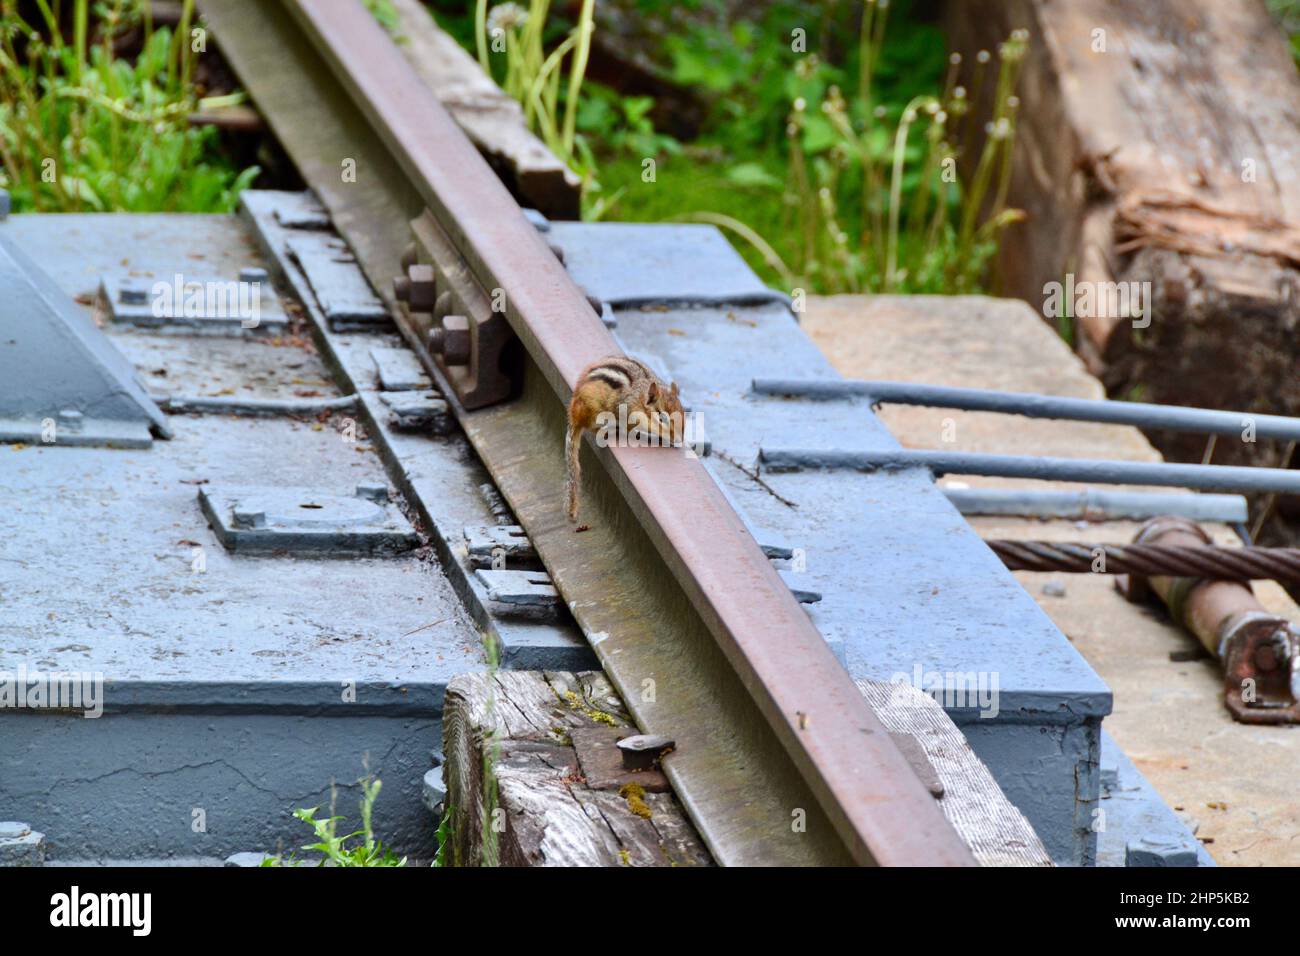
column 996, row 832
column 557, row 805
column 542, row 812
column 1159, row 143
column 491, row 119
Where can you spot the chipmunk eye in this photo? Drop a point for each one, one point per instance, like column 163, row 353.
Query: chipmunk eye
column 665, row 418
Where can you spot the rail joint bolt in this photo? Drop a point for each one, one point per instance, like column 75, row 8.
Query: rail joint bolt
column 452, row 340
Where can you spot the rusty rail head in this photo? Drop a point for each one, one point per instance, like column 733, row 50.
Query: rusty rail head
column 881, row 810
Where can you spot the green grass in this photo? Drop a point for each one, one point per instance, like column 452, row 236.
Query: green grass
column 84, row 129
column 692, row 182
column 833, row 171
column 359, row 848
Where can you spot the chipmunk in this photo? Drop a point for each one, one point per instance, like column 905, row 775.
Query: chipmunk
column 604, row 386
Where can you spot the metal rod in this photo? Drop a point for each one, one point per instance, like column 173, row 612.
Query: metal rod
column 1142, row 415
column 879, row 809
column 1167, row 474
column 254, row 407
column 1092, row 504
column 1203, row 561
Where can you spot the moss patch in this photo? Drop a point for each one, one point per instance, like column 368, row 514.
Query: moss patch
column 634, row 794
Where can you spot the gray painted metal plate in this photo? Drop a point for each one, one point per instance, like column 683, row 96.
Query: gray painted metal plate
column 502, row 543
column 302, row 211
column 443, row 480
column 342, row 291
column 303, row 520
column 1140, row 830
column 106, row 540
column 63, row 381
column 625, row 263
column 524, row 588
column 419, row 411
column 193, row 304
column 399, row 370
column 242, row 685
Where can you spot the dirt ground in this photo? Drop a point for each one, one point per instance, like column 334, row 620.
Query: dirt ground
column 1235, row 784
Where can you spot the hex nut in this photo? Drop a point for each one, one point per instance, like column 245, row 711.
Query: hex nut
column 423, row 289
column 452, row 340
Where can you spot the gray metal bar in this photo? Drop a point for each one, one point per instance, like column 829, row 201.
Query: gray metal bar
column 1095, row 503
column 1167, row 474
column 255, row 407
column 1139, row 414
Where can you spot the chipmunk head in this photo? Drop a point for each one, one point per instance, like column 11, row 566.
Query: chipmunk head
column 663, row 410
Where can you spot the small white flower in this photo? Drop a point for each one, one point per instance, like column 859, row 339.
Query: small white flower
column 507, row 16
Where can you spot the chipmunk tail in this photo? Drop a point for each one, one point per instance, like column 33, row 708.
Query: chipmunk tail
column 572, row 445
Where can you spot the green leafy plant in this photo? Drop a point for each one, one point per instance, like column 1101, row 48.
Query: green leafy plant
column 334, row 849
column 444, row 836
column 535, row 76
column 622, row 124
column 83, row 129
column 849, row 161
column 873, row 194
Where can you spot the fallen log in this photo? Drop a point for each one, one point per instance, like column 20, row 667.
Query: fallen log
column 1158, row 148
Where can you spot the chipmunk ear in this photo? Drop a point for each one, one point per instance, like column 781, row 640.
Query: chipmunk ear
column 652, row 393
column 674, row 389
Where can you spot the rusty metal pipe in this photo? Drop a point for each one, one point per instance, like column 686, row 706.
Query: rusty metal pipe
column 1259, row 651
column 879, row 808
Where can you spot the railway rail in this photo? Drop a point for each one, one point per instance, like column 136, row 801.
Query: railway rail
column 669, row 583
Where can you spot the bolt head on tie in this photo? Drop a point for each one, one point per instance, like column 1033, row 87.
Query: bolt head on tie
column 644, row 751
column 451, row 340
column 417, row 288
